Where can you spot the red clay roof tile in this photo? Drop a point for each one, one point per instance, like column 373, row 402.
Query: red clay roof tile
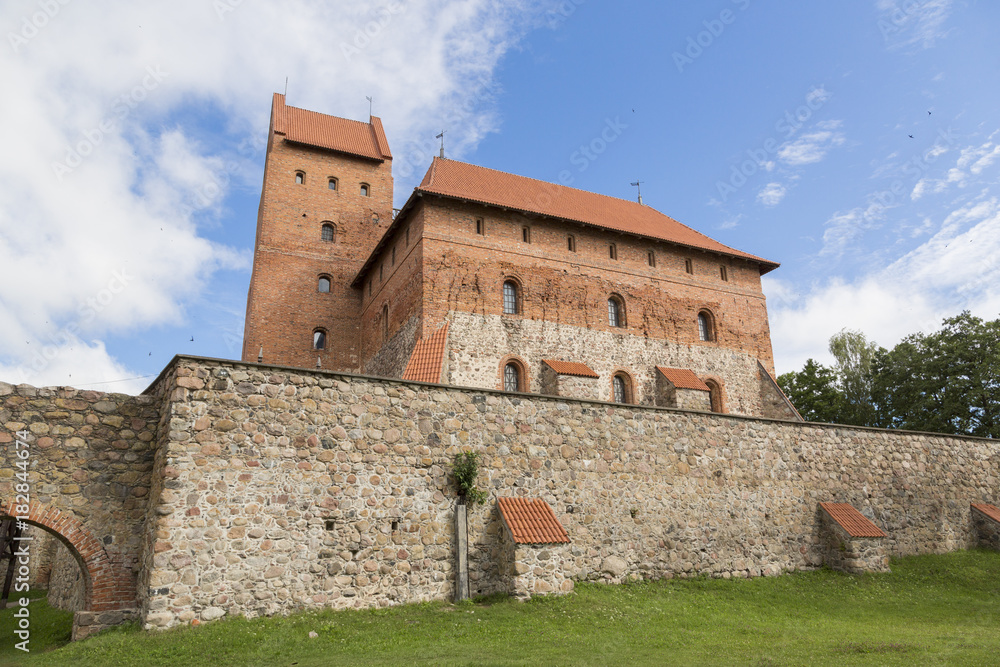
column 460, row 180
column 683, row 378
column 339, row 134
column 531, row 521
column 991, row 511
column 427, row 358
column 570, row 368
column 851, row 520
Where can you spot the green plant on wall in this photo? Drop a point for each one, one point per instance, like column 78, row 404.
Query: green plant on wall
column 466, row 470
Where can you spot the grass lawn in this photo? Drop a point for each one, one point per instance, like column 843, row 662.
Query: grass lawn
column 929, row 610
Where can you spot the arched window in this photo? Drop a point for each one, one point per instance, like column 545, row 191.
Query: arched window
column 385, row 322
column 511, row 377
column 329, row 232
column 620, row 388
column 705, row 327
column 510, row 297
column 319, row 339
column 324, row 284
column 715, row 395
column 332, row 183
column 616, row 312
column 365, row 189
column 300, row 178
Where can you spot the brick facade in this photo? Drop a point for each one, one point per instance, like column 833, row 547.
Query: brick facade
column 445, row 259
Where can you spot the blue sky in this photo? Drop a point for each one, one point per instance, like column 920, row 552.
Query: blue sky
column 131, row 174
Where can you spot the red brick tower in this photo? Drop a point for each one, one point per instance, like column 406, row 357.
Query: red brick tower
column 326, row 201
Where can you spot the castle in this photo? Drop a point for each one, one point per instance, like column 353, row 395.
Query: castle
column 611, row 367
column 487, row 279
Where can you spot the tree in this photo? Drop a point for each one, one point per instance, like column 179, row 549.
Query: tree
column 813, row 391
column 947, row 382
column 854, row 354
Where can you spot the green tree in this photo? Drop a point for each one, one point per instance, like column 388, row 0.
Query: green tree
column 813, row 391
column 947, row 382
column 853, row 354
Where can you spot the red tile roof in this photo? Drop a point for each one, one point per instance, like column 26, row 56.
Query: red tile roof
column 338, row 134
column 851, row 520
column 570, row 368
column 427, row 358
column 683, row 378
column 460, row 180
column 990, row 511
column 531, row 521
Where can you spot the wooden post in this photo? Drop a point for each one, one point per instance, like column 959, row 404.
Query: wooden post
column 462, row 547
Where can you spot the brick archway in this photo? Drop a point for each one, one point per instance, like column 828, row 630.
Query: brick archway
column 108, row 586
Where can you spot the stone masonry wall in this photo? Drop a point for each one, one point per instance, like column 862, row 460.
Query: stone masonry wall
column 289, row 488
column 66, row 586
column 988, row 531
column 540, row 569
column 478, row 343
column 855, row 555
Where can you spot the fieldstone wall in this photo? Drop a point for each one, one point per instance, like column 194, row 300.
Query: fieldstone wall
column 987, row 530
column 477, row 343
column 67, row 590
column 392, row 357
column 571, row 386
column 774, row 405
column 539, row 569
column 855, row 555
column 287, row 488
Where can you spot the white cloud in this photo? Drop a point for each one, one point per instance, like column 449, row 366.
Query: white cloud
column 772, row 194
column 812, row 146
column 971, row 163
column 953, row 270
column 905, row 23
column 109, row 82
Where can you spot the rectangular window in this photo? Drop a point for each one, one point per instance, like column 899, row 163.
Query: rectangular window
column 613, row 251
column 480, row 227
column 571, row 243
column 688, row 266
column 651, row 258
column 526, row 234
column 394, row 255
column 407, row 237
column 723, row 273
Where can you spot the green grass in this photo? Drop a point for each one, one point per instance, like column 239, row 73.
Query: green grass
column 929, row 610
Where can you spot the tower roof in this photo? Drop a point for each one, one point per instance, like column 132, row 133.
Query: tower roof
column 468, row 182
column 330, row 132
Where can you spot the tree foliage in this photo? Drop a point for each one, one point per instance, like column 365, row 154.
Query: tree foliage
column 466, row 469
column 945, row 382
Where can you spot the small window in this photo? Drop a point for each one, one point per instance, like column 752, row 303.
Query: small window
column 651, row 258
column 723, row 273
column 616, row 315
column 613, row 251
column 688, row 266
column 365, row 189
column 300, row 178
column 393, row 259
column 324, row 284
column 526, row 234
column 705, row 326
column 319, row 339
column 332, row 183
column 619, row 387
column 385, row 322
column 571, row 243
column 328, row 233
column 511, row 377
column 480, row 227
column 407, row 237
column 509, row 298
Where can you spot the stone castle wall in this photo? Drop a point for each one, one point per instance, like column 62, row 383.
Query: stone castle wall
column 288, row 488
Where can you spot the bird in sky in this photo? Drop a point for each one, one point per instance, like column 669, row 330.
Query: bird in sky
column 910, row 136
column 192, row 339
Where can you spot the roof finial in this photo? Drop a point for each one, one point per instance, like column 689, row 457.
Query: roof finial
column 369, row 106
column 441, row 137
column 638, row 184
